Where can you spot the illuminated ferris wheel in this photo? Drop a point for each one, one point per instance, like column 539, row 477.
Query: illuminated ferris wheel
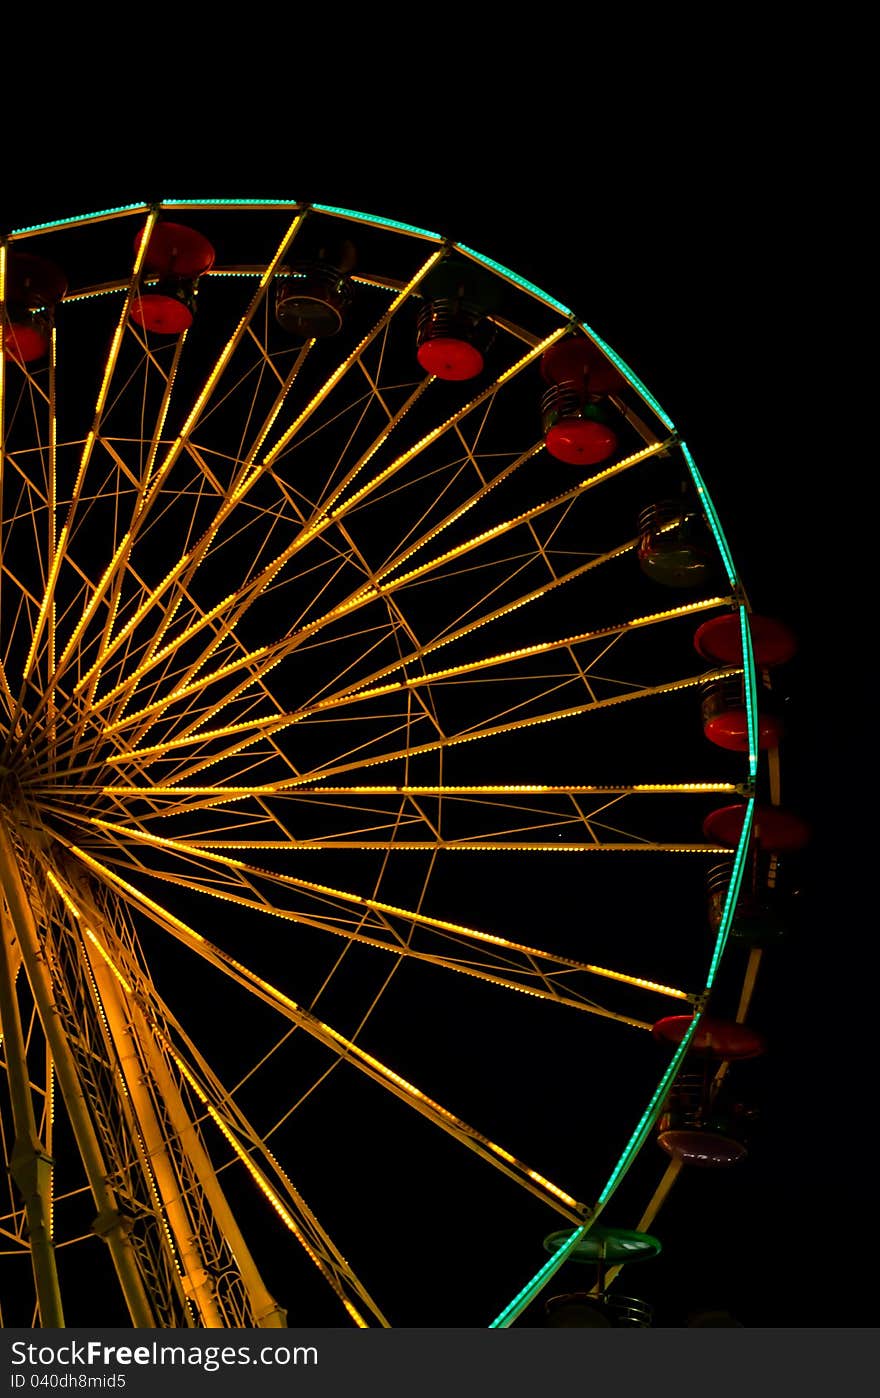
column 361, row 777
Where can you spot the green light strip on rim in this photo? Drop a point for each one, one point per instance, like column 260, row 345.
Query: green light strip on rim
column 732, row 891
column 80, row 218
column 648, row 1117
column 629, row 374
column 532, row 1288
column 379, row 222
column 751, row 689
column 633, row 1146
column 224, row 203
column 711, row 515
column 514, row 277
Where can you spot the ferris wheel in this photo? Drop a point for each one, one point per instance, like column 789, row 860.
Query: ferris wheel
column 360, row 777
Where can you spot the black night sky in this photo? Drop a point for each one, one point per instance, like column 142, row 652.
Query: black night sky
column 680, row 256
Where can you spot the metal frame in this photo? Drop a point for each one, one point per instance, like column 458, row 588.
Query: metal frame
column 126, row 689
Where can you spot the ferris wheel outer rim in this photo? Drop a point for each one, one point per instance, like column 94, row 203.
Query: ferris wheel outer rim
column 634, row 382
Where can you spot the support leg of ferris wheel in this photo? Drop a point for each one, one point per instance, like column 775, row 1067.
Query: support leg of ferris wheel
column 142, row 1061
column 30, row 1165
column 37, row 971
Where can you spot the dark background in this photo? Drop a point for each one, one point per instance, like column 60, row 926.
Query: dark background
column 681, row 241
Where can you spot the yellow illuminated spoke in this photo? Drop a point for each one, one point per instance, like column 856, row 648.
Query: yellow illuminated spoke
column 250, row 875
column 109, row 369
column 116, row 574
column 246, row 663
column 243, row 601
column 335, row 769
column 249, row 473
column 261, row 662
column 237, row 604
column 333, row 510
column 150, row 494
column 183, row 574
column 474, row 789
column 505, row 526
column 539, row 983
column 220, row 366
column 366, row 1063
column 348, row 363
column 366, row 690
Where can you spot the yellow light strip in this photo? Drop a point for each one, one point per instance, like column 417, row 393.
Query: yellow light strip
column 511, row 656
column 505, row 982
column 161, row 418
column 401, row 951
column 350, row 360
column 394, row 420
column 557, row 500
column 282, row 649
column 185, row 849
column 494, row 846
column 167, row 917
column 4, row 681
column 535, row 595
column 50, row 1139
column 415, row 1092
column 155, row 657
column 264, row 727
column 542, row 994
column 281, row 399
column 512, row 788
column 476, row 735
column 466, row 506
column 416, row 1098
column 48, row 597
column 232, row 343
column 98, row 593
column 112, row 356
column 436, row 432
column 62, row 893
column 106, row 957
